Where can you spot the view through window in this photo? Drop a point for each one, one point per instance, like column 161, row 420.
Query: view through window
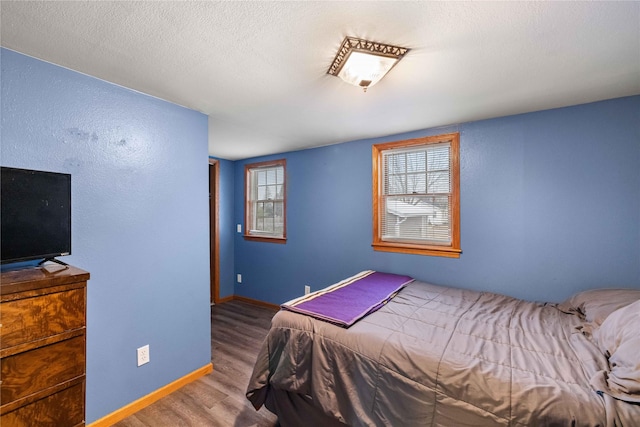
column 416, row 196
column 265, row 201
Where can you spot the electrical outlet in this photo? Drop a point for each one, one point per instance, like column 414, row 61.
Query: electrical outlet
column 143, row 355
column 307, row 289
column 239, row 278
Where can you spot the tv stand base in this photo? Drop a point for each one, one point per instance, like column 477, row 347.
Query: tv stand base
column 57, row 261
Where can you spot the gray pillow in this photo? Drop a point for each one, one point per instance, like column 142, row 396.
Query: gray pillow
column 595, row 305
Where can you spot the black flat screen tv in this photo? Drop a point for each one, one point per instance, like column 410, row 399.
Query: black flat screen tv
column 35, row 215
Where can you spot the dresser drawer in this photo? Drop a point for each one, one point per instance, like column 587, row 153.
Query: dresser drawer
column 63, row 409
column 31, row 319
column 33, row 372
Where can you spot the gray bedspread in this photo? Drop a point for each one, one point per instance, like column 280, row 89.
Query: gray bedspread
column 437, row 356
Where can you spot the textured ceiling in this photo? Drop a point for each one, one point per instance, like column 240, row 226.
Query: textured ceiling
column 258, row 69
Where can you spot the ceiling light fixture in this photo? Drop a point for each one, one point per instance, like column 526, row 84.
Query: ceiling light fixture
column 363, row 63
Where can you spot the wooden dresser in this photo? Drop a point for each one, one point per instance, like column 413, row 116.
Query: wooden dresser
column 42, row 346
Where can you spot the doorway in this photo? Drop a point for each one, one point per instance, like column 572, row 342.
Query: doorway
column 214, row 241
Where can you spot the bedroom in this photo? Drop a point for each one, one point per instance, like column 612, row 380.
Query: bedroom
column 550, row 205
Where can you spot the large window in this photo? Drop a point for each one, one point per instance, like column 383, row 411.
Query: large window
column 265, row 201
column 416, row 196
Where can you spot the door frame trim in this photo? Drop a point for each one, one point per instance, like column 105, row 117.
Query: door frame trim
column 215, row 285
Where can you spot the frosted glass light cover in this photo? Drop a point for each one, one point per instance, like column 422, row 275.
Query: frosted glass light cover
column 365, row 70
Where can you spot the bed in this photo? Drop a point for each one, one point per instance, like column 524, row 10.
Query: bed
column 441, row 356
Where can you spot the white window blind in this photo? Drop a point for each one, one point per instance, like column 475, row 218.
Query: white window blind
column 417, row 194
column 266, row 201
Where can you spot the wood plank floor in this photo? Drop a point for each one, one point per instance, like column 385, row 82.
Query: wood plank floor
column 217, row 399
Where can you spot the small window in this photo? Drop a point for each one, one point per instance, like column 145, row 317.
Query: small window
column 265, row 201
column 416, row 196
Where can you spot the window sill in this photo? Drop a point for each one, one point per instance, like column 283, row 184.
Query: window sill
column 407, row 248
column 281, row 240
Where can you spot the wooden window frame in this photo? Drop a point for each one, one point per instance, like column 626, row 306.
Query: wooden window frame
column 452, row 250
column 248, row 220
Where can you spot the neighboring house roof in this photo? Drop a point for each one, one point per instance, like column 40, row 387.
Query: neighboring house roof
column 408, row 210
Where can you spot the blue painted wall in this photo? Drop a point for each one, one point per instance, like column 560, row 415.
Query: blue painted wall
column 139, row 206
column 226, row 226
column 550, row 204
